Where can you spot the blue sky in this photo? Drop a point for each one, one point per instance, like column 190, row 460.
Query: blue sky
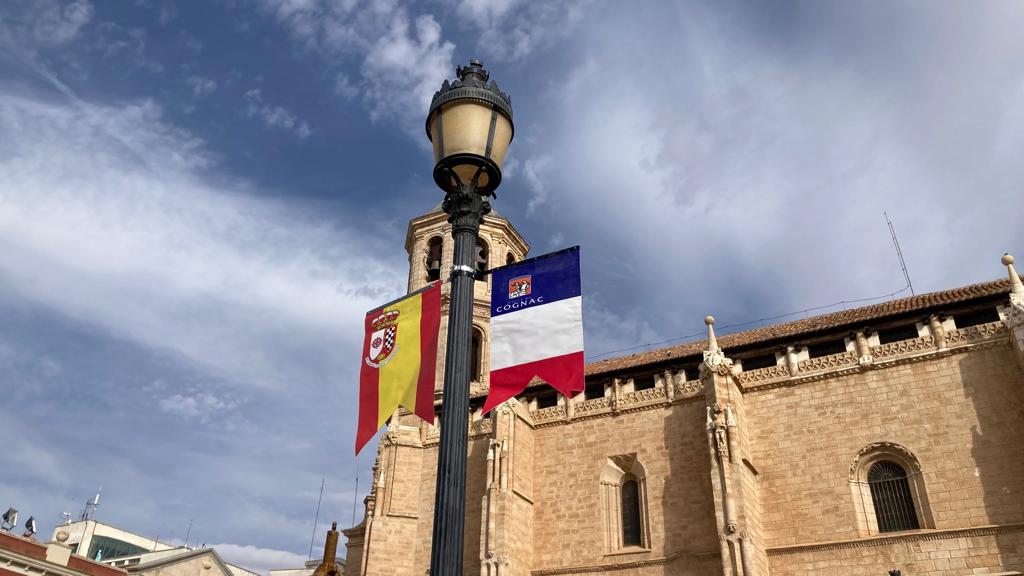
column 199, row 201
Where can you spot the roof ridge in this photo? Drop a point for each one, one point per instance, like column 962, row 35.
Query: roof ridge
column 827, row 321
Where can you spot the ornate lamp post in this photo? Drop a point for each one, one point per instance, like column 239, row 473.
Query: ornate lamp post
column 470, row 125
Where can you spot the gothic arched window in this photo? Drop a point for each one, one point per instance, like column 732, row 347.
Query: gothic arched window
column 631, row 533
column 624, row 504
column 888, row 490
column 891, row 496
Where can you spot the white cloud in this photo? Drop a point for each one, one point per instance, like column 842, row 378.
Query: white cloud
column 258, row 559
column 201, row 87
column 117, row 203
column 748, row 172
column 43, row 23
column 513, row 30
column 536, row 170
column 402, row 58
column 275, row 116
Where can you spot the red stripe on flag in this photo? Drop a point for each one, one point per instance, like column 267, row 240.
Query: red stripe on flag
column 430, row 323
column 563, row 373
column 369, row 388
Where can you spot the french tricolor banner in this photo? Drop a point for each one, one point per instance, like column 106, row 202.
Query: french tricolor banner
column 536, row 325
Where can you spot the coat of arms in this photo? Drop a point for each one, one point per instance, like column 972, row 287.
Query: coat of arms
column 382, row 339
column 519, row 286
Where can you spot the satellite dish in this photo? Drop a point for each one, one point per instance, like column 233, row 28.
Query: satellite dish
column 10, row 520
column 30, row 527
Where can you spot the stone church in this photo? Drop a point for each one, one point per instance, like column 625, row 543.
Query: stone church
column 861, row 442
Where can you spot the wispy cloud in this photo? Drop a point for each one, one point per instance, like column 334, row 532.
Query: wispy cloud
column 275, row 116
column 201, row 87
column 401, row 56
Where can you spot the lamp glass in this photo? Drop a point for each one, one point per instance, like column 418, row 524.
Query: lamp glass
column 464, row 130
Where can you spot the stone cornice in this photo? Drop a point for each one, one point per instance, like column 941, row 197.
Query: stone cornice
column 916, row 536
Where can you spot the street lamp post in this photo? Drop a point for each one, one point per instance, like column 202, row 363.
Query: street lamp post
column 470, row 126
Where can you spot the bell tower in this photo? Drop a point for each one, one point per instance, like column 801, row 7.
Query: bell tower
column 429, row 245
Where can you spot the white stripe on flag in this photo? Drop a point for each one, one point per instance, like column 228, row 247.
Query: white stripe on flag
column 536, row 333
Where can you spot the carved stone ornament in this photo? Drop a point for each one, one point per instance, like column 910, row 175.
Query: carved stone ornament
column 1015, row 312
column 715, row 362
column 731, row 527
column 884, row 448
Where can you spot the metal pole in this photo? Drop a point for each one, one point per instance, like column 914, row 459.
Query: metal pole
column 465, row 210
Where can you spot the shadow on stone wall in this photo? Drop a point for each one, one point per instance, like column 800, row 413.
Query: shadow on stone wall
column 693, row 535
column 993, row 381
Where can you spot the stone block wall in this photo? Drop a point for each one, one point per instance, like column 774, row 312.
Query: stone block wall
column 670, row 443
column 962, row 416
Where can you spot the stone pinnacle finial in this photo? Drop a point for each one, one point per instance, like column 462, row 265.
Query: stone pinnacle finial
column 327, row 567
column 1016, row 286
column 712, row 341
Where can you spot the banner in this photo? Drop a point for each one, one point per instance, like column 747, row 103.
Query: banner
column 399, row 359
column 536, row 326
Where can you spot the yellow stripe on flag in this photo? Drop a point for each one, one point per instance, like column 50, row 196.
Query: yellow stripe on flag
column 398, row 378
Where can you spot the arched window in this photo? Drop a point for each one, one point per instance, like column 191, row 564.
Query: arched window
column 481, row 255
column 478, row 341
column 891, row 496
column 631, row 534
column 624, row 504
column 434, row 246
column 510, row 258
column 888, row 490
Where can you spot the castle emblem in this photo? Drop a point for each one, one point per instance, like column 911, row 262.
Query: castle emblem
column 383, row 338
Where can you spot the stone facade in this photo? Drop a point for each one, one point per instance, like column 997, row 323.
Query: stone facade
column 749, row 454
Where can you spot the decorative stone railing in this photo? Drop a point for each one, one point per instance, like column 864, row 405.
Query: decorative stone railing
column 641, row 398
column 689, row 388
column 976, row 333
column 593, row 406
column 762, row 375
column 830, row 362
column 902, row 347
column 482, row 426
column 550, row 414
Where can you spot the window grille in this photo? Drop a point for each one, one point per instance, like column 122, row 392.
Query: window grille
column 891, row 496
column 631, row 535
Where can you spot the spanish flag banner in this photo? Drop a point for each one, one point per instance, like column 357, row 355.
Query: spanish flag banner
column 399, row 360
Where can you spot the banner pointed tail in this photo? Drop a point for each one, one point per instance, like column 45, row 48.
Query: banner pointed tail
column 399, row 360
column 563, row 373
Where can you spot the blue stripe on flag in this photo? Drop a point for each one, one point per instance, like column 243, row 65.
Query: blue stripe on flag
column 535, row 282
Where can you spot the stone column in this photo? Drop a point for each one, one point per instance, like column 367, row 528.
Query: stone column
column 506, row 536
column 734, row 500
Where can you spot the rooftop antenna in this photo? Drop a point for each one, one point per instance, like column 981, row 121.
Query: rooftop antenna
column 899, row 253
column 317, row 517
column 66, row 517
column 187, row 532
column 90, row 506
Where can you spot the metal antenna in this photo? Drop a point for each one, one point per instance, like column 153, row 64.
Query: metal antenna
column 899, row 253
column 187, row 532
column 317, row 517
column 355, row 496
